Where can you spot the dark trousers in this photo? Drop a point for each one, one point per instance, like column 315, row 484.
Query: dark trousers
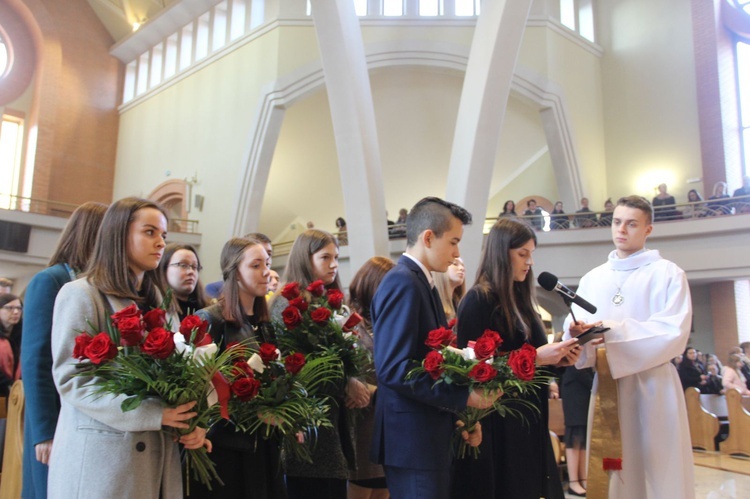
column 408, row 483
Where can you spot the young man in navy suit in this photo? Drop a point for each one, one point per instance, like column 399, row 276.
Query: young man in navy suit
column 413, row 424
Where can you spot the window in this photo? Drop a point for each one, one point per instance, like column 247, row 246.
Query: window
column 467, row 7
column 743, row 89
column 578, row 15
column 393, row 8
column 11, row 147
column 3, row 57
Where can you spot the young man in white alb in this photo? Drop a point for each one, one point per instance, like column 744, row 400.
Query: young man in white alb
column 645, row 301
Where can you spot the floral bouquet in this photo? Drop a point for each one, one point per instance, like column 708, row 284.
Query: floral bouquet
column 482, row 364
column 315, row 323
column 140, row 357
column 271, row 394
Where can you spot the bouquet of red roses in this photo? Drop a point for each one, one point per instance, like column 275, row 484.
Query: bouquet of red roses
column 272, row 395
column 316, row 323
column 140, row 357
column 483, row 364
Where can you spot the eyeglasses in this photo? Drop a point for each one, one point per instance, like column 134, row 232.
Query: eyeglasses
column 12, row 308
column 186, row 266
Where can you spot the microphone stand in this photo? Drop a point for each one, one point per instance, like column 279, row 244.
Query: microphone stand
column 569, row 303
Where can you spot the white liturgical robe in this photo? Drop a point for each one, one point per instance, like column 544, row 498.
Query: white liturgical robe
column 645, row 301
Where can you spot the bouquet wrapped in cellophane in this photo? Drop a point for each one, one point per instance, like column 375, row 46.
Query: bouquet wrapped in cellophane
column 140, row 357
column 316, row 324
column 274, row 395
column 484, row 365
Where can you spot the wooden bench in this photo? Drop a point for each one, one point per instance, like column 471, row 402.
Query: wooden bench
column 10, row 485
column 704, row 425
column 738, row 441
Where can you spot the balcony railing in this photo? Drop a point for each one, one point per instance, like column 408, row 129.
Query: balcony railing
column 64, row 210
column 728, row 206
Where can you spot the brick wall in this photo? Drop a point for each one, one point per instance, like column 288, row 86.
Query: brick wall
column 76, row 93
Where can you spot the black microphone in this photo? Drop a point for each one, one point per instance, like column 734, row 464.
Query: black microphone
column 549, row 282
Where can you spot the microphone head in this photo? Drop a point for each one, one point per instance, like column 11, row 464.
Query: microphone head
column 547, row 281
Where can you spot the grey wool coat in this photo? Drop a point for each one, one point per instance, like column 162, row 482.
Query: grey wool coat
column 98, row 450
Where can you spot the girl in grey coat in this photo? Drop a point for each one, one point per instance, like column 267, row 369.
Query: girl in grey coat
column 100, row 451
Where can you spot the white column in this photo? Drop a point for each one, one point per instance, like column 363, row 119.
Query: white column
column 484, row 99
column 350, row 98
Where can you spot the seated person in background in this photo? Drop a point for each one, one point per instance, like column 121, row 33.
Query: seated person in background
column 663, row 204
column 585, row 217
column 742, row 205
column 342, row 233
column 714, row 384
column 694, row 210
column 509, row 210
column 719, row 203
column 605, row 219
column 6, row 286
column 536, row 219
column 690, row 371
column 732, row 376
column 558, row 219
column 399, row 230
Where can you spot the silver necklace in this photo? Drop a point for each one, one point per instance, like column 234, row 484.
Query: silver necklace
column 618, row 299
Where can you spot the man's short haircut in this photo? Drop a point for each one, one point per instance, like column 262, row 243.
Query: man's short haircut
column 532, row 200
column 639, row 203
column 434, row 214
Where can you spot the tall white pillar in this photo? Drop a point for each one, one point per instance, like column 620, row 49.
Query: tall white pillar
column 350, row 97
column 484, row 99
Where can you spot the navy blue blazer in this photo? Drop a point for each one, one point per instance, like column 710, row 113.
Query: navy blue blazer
column 413, row 426
column 42, row 400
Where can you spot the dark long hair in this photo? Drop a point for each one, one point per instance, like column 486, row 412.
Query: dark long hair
column 231, row 307
column 108, row 271
column 364, row 284
column 515, row 300
column 79, row 237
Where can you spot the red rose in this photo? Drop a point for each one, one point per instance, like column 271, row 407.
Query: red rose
column 292, row 317
column 484, row 347
column 294, row 362
column 522, row 362
column 268, row 353
column 433, row 364
column 246, row 388
column 300, row 303
column 100, row 348
column 131, row 331
column 320, row 315
column 195, row 323
column 129, row 311
column 159, row 343
column 290, row 291
column 317, row 288
column 155, row 318
column 335, row 298
column 352, row 322
column 242, row 368
column 439, row 337
column 452, row 323
column 483, row 372
column 82, row 341
column 489, row 333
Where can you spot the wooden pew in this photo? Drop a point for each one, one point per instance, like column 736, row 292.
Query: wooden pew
column 10, row 485
column 738, row 441
column 704, row 425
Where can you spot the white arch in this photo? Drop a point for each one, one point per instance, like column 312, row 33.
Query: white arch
column 533, row 88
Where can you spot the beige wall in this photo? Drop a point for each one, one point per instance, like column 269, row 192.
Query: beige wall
column 649, row 89
column 622, row 125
